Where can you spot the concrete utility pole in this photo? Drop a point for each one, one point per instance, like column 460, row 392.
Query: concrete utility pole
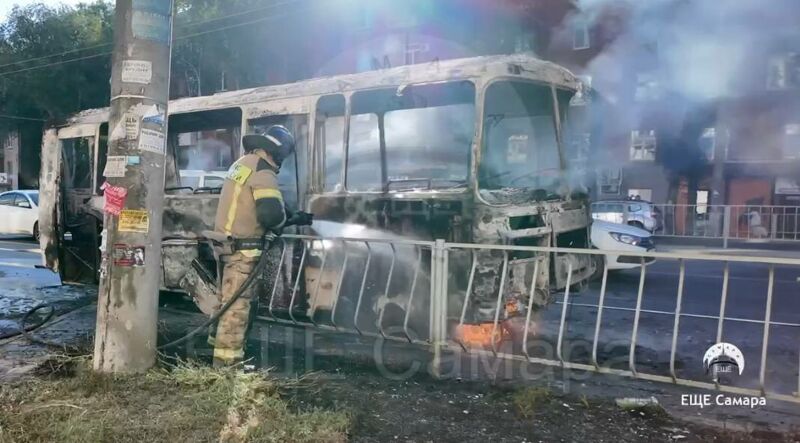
column 130, row 273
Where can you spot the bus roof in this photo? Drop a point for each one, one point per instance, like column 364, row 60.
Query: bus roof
column 513, row 65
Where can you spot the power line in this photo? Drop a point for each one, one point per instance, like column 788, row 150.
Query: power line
column 183, row 37
column 55, row 63
column 188, row 24
column 70, row 51
column 18, row 117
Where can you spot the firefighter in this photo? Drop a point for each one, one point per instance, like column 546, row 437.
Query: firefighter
column 250, row 208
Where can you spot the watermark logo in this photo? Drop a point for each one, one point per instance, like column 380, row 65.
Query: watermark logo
column 723, row 359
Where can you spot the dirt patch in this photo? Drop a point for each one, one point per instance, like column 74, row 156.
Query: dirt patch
column 422, row 409
column 186, row 403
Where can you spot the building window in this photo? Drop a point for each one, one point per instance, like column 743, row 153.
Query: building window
column 708, row 143
column 580, row 35
column 702, row 202
column 783, row 72
column 787, row 186
column 609, row 180
column 791, row 141
column 643, row 145
column 647, row 87
column 640, row 194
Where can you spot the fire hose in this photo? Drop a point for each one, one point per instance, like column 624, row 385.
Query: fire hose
column 25, row 329
column 257, row 270
column 299, row 219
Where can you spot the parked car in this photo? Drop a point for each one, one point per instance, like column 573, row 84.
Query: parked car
column 197, row 179
column 20, row 213
column 619, row 237
column 639, row 213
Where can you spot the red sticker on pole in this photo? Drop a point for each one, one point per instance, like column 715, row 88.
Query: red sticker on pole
column 114, row 198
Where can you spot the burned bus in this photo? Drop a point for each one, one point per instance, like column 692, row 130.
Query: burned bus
column 468, row 150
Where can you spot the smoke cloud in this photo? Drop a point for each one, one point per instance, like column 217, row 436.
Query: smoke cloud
column 683, row 58
column 702, row 50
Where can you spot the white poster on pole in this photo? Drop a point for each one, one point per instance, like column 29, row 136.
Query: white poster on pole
column 137, row 71
column 115, row 166
column 153, row 141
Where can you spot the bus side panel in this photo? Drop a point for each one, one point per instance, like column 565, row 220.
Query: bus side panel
column 50, row 199
column 185, row 219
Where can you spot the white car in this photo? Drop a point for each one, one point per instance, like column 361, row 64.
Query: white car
column 608, row 236
column 197, row 179
column 20, row 213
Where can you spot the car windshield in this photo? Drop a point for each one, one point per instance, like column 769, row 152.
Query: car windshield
column 520, row 155
column 34, row 196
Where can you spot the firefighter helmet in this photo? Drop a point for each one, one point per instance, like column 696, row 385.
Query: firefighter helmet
column 277, row 141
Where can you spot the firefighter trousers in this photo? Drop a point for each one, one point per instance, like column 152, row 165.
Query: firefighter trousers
column 232, row 328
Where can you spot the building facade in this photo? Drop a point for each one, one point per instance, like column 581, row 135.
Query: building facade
column 664, row 123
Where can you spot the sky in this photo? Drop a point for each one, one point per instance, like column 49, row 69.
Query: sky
column 6, row 5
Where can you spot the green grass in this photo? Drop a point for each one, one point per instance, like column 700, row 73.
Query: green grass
column 184, row 403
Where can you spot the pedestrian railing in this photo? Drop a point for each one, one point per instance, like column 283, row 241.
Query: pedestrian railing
column 730, row 222
column 653, row 322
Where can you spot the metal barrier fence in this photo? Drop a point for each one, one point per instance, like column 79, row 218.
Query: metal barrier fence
column 424, row 293
column 740, row 222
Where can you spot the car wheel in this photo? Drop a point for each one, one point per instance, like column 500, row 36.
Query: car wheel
column 36, row 231
column 599, row 263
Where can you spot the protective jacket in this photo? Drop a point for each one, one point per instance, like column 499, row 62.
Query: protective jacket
column 251, row 202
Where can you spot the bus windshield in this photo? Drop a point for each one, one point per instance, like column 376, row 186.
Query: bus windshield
column 417, row 137
column 520, row 155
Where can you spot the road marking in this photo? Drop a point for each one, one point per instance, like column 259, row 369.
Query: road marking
column 683, row 314
column 720, row 277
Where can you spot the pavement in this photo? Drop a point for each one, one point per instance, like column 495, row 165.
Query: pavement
column 752, row 248
column 19, row 251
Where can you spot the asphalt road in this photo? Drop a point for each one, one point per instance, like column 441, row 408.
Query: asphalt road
column 745, row 311
column 19, row 251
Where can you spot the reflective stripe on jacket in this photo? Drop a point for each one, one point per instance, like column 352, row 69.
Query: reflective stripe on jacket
column 250, row 182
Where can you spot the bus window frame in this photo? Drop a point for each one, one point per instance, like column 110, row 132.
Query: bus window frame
column 300, row 184
column 480, row 113
column 171, row 151
column 348, row 95
column 290, row 106
column 87, row 130
column 318, row 157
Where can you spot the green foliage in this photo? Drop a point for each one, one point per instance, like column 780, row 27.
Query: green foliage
column 37, row 31
column 253, row 43
column 220, row 44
